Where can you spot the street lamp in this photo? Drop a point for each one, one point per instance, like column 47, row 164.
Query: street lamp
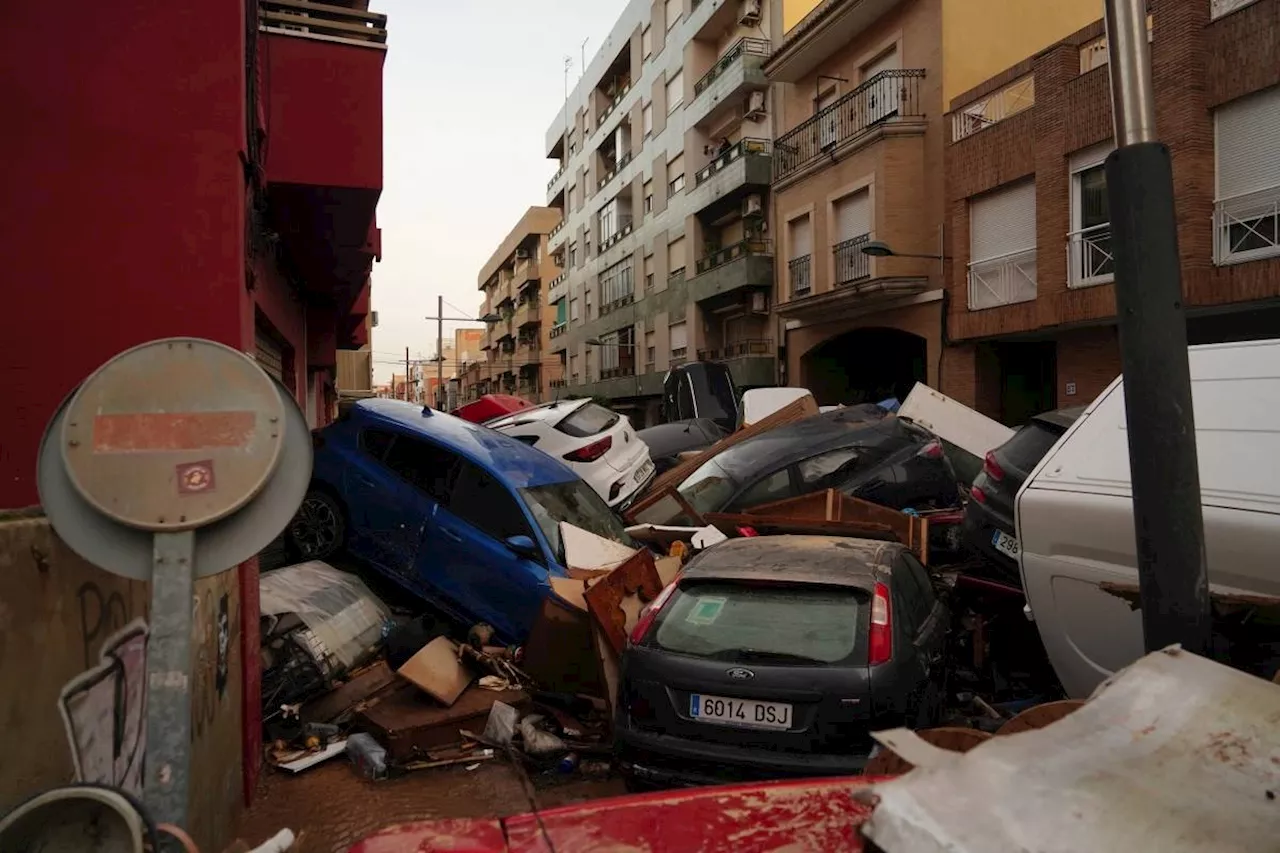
column 877, row 249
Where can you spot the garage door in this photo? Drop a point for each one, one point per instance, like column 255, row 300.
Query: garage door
column 268, row 353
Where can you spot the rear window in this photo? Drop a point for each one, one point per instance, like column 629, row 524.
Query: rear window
column 587, row 421
column 1028, row 445
column 740, row 623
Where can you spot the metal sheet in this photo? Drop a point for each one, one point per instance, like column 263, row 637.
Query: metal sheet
column 127, row 551
column 1176, row 753
column 173, row 434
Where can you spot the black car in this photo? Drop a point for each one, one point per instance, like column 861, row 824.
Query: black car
column 667, row 441
column 879, row 458
column 776, row 656
column 988, row 519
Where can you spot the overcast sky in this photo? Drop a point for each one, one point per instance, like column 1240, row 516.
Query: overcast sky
column 469, row 90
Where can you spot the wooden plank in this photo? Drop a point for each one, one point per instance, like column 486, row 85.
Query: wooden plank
column 324, row 27
column 437, row 671
column 615, row 601
column 797, row 411
column 322, row 9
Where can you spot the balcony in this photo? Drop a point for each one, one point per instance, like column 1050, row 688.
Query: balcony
column 621, row 93
column 528, row 313
column 745, row 167
column 748, row 264
column 851, row 263
column 613, row 172
column 558, row 288
column 528, row 354
column 994, row 108
column 526, row 271
column 887, row 98
column 722, row 88
column 750, row 362
column 1247, row 227
column 1003, row 280
column 800, row 276
column 624, row 228
column 1089, row 258
column 564, row 167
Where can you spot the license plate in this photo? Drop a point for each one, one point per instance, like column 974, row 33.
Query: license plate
column 747, row 713
column 644, row 471
column 1005, row 544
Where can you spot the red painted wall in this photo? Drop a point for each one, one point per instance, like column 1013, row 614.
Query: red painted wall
column 122, row 200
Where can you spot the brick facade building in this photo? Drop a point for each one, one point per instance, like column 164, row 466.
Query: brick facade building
column 1031, row 314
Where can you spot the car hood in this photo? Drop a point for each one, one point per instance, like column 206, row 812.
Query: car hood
column 811, row 814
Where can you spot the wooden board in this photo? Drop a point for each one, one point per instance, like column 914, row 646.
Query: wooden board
column 436, row 670
column 797, row 411
column 337, row 702
column 410, row 726
column 560, row 654
column 615, row 600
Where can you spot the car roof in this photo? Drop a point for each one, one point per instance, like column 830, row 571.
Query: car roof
column 501, row 455
column 794, row 442
column 1060, row 418
column 807, row 559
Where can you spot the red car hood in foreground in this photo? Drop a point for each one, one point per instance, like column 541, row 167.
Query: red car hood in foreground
column 808, row 815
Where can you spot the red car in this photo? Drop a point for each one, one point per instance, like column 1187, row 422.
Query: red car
column 808, row 815
column 491, row 406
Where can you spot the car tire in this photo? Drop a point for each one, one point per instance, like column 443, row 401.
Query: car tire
column 318, row 528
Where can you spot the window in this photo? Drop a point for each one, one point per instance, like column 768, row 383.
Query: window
column 674, row 11
column 646, row 119
column 618, row 281
column 590, row 419
column 679, row 340
column 675, row 256
column 424, row 465
column 774, row 487
column 1247, row 200
column 573, row 255
column 646, row 42
column 675, row 92
column 648, row 272
column 576, row 503
column 883, row 87
column 829, row 470
column 852, row 225
column 648, row 196
column 485, row 503
column 800, row 248
column 675, row 174
column 375, row 442
column 574, row 313
column 1002, row 246
column 608, row 220
column 829, row 125
column 609, row 351
column 1089, row 244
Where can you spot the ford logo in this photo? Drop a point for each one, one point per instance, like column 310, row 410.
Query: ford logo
column 740, row 673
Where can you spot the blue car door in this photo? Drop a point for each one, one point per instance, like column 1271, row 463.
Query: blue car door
column 467, row 558
column 377, row 504
column 424, row 473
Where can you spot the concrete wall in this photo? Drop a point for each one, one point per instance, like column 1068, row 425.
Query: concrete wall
column 65, row 632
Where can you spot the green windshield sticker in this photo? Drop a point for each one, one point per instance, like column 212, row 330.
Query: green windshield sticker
column 706, row 611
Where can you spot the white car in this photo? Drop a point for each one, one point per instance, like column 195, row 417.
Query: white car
column 598, row 444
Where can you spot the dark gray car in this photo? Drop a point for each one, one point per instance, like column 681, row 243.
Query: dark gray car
column 777, row 656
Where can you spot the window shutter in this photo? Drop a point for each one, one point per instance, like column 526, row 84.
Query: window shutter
column 679, row 336
column 801, row 237
column 1002, row 222
column 268, row 354
column 1247, row 140
column 675, row 254
column 853, row 216
column 675, row 91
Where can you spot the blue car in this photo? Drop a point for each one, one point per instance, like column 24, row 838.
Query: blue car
column 460, row 514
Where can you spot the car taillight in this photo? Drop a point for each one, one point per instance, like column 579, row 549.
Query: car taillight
column 646, row 618
column 992, row 468
column 977, row 494
column 881, row 647
column 932, row 450
column 592, row 451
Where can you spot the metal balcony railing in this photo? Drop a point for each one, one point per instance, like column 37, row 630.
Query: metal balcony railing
column 749, row 145
column 624, row 227
column 559, row 329
column 741, row 249
column 564, row 167
column 615, row 372
column 613, row 102
column 757, row 47
column 1089, row 258
column 1247, row 227
column 798, row 273
column 1003, row 280
column 851, row 263
column 334, row 23
column 558, row 383
column 893, row 94
column 996, row 107
column 613, row 173
column 738, row 349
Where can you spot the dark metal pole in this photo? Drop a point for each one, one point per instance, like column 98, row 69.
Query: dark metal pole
column 1168, row 523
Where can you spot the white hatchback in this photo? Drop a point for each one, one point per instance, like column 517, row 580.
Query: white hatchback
column 598, row 444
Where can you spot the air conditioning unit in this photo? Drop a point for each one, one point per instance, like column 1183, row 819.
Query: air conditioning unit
column 523, row 254
column 753, row 205
column 759, row 302
column 755, row 107
column 749, row 13
column 373, row 319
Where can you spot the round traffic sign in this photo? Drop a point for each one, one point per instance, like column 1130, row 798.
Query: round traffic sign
column 174, row 434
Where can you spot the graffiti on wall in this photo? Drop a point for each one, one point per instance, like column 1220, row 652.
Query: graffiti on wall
column 104, row 710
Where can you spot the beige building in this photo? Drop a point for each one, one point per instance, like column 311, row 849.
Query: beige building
column 517, row 358
column 858, row 196
column 664, row 165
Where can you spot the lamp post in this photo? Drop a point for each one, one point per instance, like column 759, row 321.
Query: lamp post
column 440, row 318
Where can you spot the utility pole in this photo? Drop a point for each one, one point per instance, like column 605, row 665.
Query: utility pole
column 439, row 351
column 406, row 374
column 1168, row 522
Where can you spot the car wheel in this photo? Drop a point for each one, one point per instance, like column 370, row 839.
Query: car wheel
column 318, row 527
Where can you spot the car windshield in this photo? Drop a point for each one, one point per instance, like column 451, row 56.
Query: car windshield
column 576, row 503
column 742, row 623
column 709, row 488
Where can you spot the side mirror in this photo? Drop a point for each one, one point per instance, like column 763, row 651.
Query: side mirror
column 524, row 546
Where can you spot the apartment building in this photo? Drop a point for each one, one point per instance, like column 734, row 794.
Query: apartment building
column 857, row 194
column 662, row 187
column 1032, row 306
column 518, row 317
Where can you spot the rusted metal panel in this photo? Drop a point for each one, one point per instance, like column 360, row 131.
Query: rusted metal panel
column 163, row 431
column 1175, row 753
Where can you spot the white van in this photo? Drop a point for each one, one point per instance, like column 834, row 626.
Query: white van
column 1074, row 514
